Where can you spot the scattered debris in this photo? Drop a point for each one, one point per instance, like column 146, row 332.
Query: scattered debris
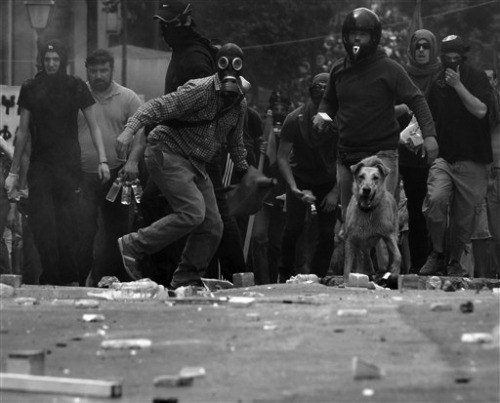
column 125, row 344
column 253, row 316
column 92, row 317
column 183, row 292
column 364, row 370
column 52, row 384
column 107, row 281
column 270, row 326
column 303, row 279
column 467, row 307
column 6, row 291
column 173, row 380
column 213, row 285
column 140, row 289
column 243, row 279
column 358, row 280
column 368, row 392
column 87, row 303
column 241, row 302
column 433, row 283
column 448, row 286
column 441, row 307
column 477, row 338
column 193, row 372
column 26, row 301
column 30, row 362
column 14, row 280
column 352, row 312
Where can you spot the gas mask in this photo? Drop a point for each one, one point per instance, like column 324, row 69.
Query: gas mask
column 229, row 68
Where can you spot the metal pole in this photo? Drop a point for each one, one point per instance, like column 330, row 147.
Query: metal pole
column 124, row 42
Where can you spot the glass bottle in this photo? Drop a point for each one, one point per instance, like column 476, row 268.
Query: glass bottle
column 126, row 194
column 137, row 189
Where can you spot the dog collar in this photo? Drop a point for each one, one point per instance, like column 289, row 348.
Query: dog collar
column 365, row 209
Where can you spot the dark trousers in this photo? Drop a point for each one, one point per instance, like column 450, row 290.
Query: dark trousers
column 230, row 251
column 52, row 216
column 415, row 187
column 295, row 221
column 103, row 259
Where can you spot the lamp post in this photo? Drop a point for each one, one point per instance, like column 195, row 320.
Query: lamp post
column 40, row 14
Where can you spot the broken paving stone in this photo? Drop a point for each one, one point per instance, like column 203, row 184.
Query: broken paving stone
column 441, row 307
column 87, row 303
column 433, row 283
column 172, row 380
column 467, row 307
column 107, row 281
column 358, row 280
column 352, row 312
column 303, row 279
column 241, row 302
column 14, row 280
column 92, row 317
column 26, row 301
column 183, row 292
column 6, row 291
column 477, row 338
column 192, row 372
column 125, row 344
column 253, row 316
column 365, row 370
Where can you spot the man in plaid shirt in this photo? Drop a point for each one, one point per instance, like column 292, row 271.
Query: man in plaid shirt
column 201, row 116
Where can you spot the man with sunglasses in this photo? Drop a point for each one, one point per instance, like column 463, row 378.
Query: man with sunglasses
column 460, row 101
column 307, row 160
column 192, row 123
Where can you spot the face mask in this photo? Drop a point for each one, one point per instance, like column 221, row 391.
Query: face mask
column 316, row 92
column 229, row 67
column 450, row 64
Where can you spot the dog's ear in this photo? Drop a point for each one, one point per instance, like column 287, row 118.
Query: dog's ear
column 357, row 167
column 384, row 170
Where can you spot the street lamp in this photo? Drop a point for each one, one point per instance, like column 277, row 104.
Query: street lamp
column 40, row 13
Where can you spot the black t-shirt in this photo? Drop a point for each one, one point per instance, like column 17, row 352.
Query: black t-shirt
column 53, row 103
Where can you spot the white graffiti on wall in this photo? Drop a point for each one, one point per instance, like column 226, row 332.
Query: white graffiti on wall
column 9, row 112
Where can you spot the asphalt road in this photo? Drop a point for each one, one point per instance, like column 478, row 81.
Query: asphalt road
column 288, row 345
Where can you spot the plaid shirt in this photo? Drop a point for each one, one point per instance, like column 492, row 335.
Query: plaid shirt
column 195, row 101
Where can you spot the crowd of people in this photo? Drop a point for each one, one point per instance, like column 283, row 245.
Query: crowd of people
column 80, row 144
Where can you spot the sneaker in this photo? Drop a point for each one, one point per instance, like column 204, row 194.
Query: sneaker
column 193, row 283
column 130, row 260
column 433, row 264
column 454, row 269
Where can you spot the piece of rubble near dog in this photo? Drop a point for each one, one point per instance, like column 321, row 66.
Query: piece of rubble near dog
column 364, row 370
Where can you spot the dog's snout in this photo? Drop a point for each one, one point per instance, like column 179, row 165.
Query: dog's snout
column 366, row 191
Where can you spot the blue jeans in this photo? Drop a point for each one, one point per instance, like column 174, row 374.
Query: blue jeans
column 195, row 213
column 461, row 188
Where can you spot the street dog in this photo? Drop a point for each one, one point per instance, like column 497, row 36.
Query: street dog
column 372, row 215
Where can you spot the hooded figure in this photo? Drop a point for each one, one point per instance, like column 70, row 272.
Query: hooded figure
column 423, row 74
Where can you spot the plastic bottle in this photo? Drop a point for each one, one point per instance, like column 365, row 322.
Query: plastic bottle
column 113, row 190
column 126, row 194
column 137, row 189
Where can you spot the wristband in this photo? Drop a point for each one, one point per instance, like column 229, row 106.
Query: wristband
column 103, row 162
column 14, row 175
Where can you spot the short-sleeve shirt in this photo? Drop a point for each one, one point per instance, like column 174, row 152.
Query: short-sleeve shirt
column 53, row 104
column 112, row 112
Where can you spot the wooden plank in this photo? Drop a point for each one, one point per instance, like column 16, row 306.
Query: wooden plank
column 52, row 384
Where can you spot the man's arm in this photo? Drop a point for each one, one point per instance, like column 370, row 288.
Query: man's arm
column 471, row 103
column 130, row 170
column 96, row 135
column 21, row 139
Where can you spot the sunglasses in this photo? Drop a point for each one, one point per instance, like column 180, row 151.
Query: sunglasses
column 424, row 46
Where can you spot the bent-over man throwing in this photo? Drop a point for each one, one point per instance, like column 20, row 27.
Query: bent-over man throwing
column 193, row 123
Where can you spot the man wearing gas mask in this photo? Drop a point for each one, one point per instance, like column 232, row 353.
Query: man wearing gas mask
column 460, row 101
column 362, row 90
column 192, row 123
column 307, row 160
